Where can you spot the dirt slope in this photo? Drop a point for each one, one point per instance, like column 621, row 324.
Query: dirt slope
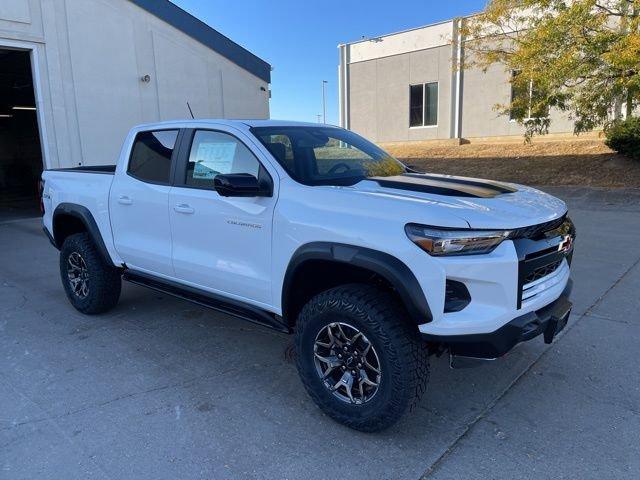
column 579, row 162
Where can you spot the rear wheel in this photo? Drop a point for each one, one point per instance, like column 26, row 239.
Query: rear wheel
column 92, row 286
column 358, row 358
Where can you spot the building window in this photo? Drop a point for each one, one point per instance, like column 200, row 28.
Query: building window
column 525, row 91
column 423, row 105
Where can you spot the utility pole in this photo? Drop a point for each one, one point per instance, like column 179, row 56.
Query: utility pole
column 324, row 103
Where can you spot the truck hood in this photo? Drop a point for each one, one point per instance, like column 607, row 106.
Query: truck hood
column 481, row 203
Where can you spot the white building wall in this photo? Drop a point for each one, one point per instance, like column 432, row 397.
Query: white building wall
column 89, row 57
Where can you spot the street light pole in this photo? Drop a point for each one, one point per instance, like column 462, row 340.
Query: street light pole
column 324, row 104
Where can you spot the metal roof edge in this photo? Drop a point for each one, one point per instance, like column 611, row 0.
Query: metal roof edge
column 208, row 36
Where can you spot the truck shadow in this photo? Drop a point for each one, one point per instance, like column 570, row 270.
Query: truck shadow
column 236, row 369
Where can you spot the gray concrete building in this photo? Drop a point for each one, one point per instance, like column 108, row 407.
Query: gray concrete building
column 406, row 86
column 76, row 75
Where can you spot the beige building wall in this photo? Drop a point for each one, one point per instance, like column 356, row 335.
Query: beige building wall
column 379, row 94
column 481, row 92
column 375, row 75
column 89, row 58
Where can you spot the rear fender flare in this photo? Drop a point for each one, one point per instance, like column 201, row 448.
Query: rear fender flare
column 84, row 215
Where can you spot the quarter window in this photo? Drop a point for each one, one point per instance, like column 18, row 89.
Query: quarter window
column 423, row 105
column 151, row 156
column 214, row 153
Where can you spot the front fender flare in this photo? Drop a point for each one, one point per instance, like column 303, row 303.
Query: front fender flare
column 387, row 266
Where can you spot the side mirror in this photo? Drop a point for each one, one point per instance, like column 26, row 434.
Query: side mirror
column 241, row 185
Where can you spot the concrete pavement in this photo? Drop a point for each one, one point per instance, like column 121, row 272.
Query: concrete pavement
column 159, row 388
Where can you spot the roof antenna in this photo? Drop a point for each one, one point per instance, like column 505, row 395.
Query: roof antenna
column 190, row 111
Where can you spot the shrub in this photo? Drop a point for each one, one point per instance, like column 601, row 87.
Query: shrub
column 623, row 136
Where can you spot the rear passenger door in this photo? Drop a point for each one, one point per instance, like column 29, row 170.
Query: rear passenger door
column 221, row 244
column 139, row 203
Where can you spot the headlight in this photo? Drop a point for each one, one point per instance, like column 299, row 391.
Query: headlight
column 440, row 242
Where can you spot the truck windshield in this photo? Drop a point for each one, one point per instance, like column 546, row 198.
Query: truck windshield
column 326, row 155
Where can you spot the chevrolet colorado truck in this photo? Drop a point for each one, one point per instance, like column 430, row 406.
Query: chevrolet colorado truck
column 310, row 229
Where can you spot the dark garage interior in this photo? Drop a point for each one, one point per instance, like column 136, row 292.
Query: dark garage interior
column 20, row 152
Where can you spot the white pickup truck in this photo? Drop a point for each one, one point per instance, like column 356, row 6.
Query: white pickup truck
column 311, row 229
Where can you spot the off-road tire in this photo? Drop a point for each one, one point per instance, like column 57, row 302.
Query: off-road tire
column 103, row 280
column 403, row 356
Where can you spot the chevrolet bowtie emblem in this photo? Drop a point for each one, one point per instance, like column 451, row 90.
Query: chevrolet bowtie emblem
column 565, row 244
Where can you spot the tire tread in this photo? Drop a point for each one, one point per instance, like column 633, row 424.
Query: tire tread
column 389, row 322
column 104, row 280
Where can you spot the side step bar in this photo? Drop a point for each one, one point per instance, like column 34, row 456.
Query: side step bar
column 208, row 299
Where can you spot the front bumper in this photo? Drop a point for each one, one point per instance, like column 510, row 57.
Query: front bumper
column 548, row 320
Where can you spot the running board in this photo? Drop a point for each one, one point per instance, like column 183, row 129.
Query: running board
column 208, row 299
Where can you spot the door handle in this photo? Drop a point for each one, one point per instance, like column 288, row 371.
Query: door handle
column 124, row 200
column 184, row 208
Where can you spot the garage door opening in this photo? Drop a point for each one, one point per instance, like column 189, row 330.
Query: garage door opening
column 20, row 152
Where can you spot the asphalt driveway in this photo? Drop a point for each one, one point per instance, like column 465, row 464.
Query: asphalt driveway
column 162, row 389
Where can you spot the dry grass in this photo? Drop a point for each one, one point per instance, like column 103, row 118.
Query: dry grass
column 575, row 162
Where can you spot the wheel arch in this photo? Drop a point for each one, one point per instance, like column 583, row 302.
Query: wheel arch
column 71, row 218
column 348, row 261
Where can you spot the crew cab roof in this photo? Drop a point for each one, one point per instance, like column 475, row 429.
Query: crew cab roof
column 233, row 123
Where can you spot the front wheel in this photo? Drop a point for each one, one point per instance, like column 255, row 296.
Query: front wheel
column 358, row 358
column 92, row 286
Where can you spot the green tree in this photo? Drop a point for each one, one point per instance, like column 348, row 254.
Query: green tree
column 579, row 56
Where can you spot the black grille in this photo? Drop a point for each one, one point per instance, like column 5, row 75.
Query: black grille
column 535, row 232
column 541, row 272
column 539, row 252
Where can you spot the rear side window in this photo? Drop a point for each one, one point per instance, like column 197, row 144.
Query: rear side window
column 151, row 156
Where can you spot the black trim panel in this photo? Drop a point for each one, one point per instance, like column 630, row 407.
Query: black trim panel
column 473, row 182
column 383, row 264
column 84, row 215
column 203, row 33
column 208, row 299
column 548, row 320
column 101, row 169
column 444, row 185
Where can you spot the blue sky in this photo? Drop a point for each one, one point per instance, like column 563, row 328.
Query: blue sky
column 299, row 39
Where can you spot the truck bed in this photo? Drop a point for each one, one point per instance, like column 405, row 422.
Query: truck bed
column 86, row 186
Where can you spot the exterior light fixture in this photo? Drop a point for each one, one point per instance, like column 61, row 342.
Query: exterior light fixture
column 19, row 107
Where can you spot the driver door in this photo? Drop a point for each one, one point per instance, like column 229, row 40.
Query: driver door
column 221, row 244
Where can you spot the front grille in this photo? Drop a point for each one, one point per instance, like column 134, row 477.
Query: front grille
column 535, row 232
column 544, row 283
column 540, row 256
column 542, row 272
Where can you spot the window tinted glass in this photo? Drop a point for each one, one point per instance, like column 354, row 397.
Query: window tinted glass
column 519, row 95
column 431, row 104
column 280, row 147
column 151, row 156
column 326, row 155
column 525, row 99
column 415, row 105
column 214, row 153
